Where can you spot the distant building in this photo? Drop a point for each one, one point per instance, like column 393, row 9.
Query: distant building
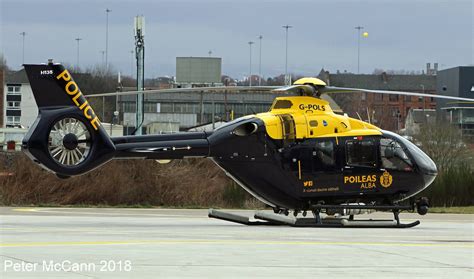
column 195, row 108
column 159, row 83
column 198, row 71
column 386, row 111
column 8, row 135
column 19, row 108
column 2, row 102
column 432, row 71
column 457, row 82
column 416, row 118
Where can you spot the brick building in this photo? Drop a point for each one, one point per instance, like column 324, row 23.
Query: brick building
column 386, row 111
column 2, row 76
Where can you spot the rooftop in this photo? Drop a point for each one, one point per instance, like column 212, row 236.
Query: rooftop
column 16, row 77
column 384, row 81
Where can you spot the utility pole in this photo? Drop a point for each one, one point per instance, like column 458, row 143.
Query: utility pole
column 286, row 52
column 107, row 11
column 23, row 34
column 260, row 62
column 358, row 47
column 103, row 56
column 424, row 104
column 131, row 63
column 77, row 40
column 250, row 72
column 140, row 55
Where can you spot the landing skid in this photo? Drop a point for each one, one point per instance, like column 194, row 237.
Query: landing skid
column 272, row 219
column 239, row 219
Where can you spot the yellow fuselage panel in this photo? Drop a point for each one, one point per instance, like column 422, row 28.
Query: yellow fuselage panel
column 272, row 124
column 313, row 118
column 300, row 105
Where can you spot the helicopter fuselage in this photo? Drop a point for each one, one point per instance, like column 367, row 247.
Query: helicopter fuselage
column 301, row 154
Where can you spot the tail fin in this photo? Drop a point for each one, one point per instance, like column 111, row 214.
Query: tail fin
column 67, row 137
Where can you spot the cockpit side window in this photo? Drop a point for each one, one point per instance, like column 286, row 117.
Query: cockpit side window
column 361, row 153
column 393, row 156
column 324, row 155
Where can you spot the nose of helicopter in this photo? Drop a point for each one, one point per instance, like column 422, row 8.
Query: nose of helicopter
column 429, row 168
column 429, row 171
column 425, row 164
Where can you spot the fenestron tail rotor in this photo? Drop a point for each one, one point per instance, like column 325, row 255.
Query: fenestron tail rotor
column 69, row 141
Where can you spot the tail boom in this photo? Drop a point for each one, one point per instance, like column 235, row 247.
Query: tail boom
column 68, row 139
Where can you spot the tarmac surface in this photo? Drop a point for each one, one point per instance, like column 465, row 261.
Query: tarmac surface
column 177, row 243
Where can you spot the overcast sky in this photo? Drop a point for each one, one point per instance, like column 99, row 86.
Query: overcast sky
column 402, row 34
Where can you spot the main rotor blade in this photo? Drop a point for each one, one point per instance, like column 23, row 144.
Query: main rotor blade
column 300, row 89
column 186, row 90
column 304, row 90
column 333, row 89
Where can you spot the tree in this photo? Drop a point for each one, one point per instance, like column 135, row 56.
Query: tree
column 443, row 143
column 3, row 63
column 455, row 162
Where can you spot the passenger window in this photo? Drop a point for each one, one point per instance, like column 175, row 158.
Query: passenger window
column 393, row 156
column 361, row 153
column 323, row 155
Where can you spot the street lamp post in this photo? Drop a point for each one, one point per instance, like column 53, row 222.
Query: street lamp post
column 103, row 55
column 23, row 34
column 107, row 11
column 131, row 63
column 77, row 40
column 260, row 62
column 250, row 70
column 424, row 104
column 358, row 47
column 286, row 49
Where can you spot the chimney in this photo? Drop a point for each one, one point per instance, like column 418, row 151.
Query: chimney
column 435, row 68
column 428, row 68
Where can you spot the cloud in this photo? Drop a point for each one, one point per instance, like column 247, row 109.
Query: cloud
column 402, row 34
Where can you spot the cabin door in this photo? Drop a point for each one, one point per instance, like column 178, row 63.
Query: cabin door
column 361, row 170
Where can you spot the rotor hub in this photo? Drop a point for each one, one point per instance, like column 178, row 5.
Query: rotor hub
column 70, row 141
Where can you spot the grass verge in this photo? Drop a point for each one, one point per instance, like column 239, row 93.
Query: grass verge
column 454, row 209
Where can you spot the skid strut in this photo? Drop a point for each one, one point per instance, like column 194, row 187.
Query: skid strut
column 273, row 219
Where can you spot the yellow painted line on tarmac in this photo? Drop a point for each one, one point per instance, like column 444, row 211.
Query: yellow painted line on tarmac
column 105, row 213
column 231, row 242
column 25, row 209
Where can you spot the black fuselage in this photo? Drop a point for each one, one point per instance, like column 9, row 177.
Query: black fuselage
column 297, row 174
column 294, row 175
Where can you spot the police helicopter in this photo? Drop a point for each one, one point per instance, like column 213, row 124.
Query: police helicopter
column 298, row 157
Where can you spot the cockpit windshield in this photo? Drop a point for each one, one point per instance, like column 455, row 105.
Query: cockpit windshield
column 420, row 158
column 393, row 156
